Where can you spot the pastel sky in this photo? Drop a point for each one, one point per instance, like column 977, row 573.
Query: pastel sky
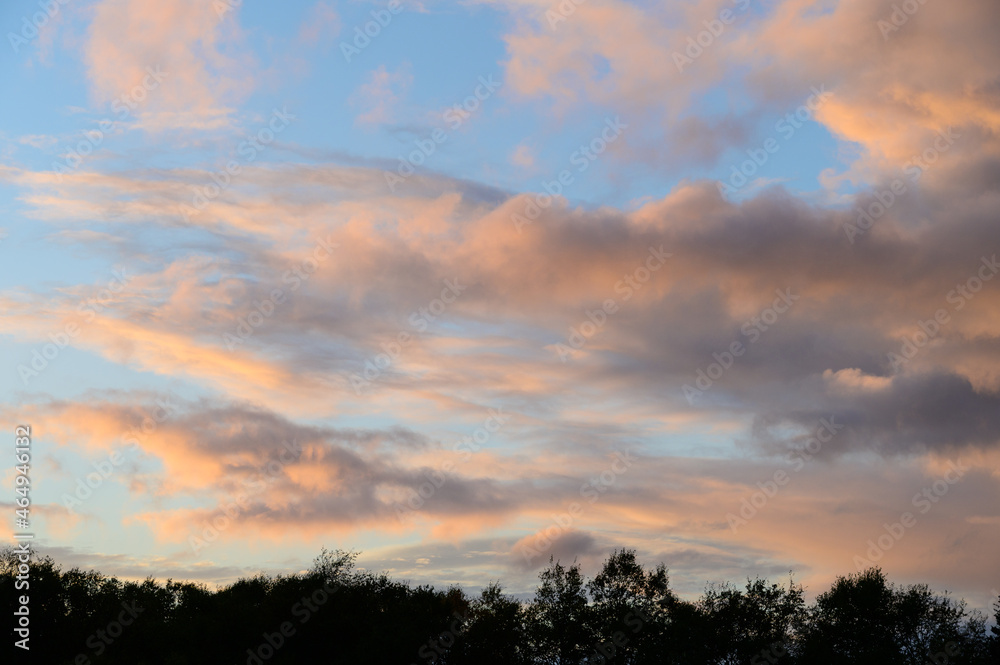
column 465, row 285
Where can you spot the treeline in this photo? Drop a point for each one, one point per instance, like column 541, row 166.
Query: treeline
column 626, row 614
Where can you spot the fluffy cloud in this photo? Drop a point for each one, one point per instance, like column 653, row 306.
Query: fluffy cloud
column 196, row 45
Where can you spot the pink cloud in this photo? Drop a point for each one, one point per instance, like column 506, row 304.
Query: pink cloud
column 205, row 71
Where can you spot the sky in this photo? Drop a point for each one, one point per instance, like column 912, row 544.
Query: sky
column 463, row 286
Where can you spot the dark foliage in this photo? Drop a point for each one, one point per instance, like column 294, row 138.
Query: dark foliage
column 626, row 614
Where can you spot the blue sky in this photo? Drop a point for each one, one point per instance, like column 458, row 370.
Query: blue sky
column 332, row 131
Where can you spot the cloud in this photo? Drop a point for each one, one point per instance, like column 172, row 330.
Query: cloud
column 198, row 48
column 523, row 157
column 905, row 414
column 138, row 568
column 528, row 291
column 381, row 94
column 218, row 455
column 890, row 95
column 283, row 475
column 39, row 141
column 566, row 547
column 321, row 23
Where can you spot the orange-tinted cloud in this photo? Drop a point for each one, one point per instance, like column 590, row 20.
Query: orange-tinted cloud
column 195, row 44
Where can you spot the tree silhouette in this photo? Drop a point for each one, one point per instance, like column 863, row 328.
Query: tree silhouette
column 759, row 621
column 561, row 621
column 865, row 620
column 625, row 614
column 495, row 632
column 629, row 604
column 995, row 642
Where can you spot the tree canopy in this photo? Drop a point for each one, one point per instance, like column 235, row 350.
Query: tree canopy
column 627, row 613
